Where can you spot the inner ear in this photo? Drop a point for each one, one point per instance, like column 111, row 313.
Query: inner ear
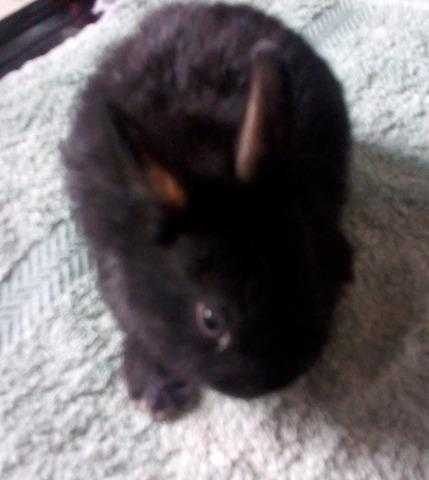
column 268, row 105
column 165, row 201
column 166, row 187
column 144, row 173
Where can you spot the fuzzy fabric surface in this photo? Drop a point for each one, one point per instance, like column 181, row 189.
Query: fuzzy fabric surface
column 361, row 413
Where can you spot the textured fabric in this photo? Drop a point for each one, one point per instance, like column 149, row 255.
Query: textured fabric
column 361, row 413
column 101, row 6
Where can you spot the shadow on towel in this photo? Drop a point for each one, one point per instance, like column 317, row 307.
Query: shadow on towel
column 373, row 379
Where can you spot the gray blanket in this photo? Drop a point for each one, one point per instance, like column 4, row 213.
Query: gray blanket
column 361, row 413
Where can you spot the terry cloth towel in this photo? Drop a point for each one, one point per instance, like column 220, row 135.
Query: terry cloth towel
column 361, row 413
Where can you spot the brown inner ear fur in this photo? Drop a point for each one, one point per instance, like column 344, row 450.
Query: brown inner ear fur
column 251, row 142
column 166, row 188
column 264, row 96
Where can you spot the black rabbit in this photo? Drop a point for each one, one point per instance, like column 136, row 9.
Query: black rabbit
column 208, row 163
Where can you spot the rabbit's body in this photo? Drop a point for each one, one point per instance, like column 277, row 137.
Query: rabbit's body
column 208, row 164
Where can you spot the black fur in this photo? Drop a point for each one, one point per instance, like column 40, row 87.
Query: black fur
column 267, row 256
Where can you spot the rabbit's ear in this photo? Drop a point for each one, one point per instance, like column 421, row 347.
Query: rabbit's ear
column 156, row 183
column 146, row 176
column 166, row 187
column 267, row 110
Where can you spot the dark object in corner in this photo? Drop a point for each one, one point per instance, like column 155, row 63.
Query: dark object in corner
column 38, row 27
column 208, row 163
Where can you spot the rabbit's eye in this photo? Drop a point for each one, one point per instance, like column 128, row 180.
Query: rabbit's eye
column 211, row 323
